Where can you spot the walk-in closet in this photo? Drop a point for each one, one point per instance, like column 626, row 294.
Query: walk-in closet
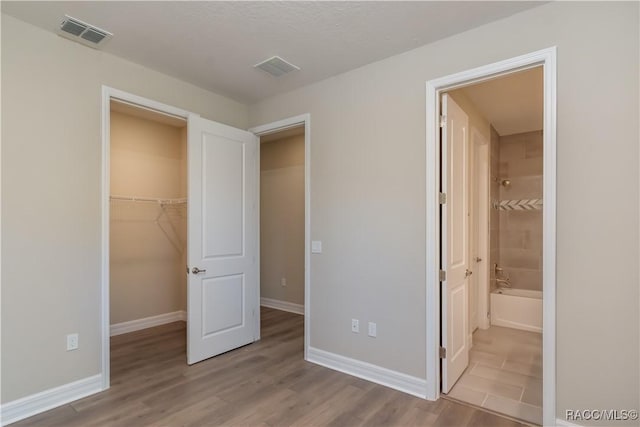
column 148, row 218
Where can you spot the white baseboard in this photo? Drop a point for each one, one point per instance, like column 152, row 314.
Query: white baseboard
column 377, row 374
column 49, row 399
column 282, row 305
column 564, row 423
column 147, row 322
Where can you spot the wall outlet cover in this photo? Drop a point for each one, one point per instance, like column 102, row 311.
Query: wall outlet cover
column 72, row 342
column 373, row 329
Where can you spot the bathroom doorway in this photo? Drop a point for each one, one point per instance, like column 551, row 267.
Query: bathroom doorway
column 500, row 117
column 500, row 122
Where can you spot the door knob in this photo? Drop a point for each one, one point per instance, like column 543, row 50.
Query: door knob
column 468, row 273
column 478, row 259
column 196, row 270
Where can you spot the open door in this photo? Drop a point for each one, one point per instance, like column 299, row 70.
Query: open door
column 223, row 239
column 455, row 242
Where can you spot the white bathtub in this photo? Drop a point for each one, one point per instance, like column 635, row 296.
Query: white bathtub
column 517, row 308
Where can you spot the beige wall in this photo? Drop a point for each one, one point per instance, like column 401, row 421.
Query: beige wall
column 51, row 208
column 282, row 219
column 521, row 231
column 146, row 257
column 368, row 195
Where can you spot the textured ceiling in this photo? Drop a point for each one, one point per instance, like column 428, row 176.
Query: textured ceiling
column 513, row 103
column 214, row 45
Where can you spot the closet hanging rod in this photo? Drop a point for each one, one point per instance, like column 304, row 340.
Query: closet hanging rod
column 150, row 199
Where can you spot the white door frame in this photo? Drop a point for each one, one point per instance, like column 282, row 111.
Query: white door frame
column 434, row 88
column 479, row 144
column 277, row 126
column 109, row 93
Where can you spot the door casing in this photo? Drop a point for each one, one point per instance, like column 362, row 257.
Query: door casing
column 434, row 88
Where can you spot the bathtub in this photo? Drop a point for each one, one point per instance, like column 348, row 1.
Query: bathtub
column 517, row 308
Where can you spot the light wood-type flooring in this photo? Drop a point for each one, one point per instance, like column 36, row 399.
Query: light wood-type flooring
column 263, row 384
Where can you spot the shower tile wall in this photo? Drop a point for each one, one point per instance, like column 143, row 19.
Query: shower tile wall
column 520, row 235
column 494, row 194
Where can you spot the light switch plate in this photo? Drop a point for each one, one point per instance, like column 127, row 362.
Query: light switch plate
column 316, row 247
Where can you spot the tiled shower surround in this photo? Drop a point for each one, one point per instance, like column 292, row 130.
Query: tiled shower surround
column 519, row 232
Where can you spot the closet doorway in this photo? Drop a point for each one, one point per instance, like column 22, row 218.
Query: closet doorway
column 282, row 220
column 148, row 221
column 216, row 194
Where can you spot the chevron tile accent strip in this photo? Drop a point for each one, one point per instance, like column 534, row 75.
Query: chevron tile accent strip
column 519, row 205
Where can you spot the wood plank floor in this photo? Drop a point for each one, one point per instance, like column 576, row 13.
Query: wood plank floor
column 263, row 384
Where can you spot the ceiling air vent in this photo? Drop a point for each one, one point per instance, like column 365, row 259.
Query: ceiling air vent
column 88, row 35
column 276, row 66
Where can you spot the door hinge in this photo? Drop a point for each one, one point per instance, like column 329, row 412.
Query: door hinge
column 442, row 198
column 187, row 269
column 443, row 121
column 443, row 353
column 443, row 275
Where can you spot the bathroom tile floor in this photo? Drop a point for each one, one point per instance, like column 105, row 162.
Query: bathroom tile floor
column 504, row 373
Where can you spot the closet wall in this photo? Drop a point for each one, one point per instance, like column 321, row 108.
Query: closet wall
column 147, row 246
column 282, row 219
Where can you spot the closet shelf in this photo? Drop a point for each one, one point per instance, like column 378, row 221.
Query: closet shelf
column 149, row 200
column 169, row 216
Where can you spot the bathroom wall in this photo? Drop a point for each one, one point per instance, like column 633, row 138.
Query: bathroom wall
column 282, row 219
column 494, row 194
column 520, row 235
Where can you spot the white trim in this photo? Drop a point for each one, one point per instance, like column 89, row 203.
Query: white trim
column 107, row 94
column 147, row 322
column 564, row 423
column 36, row 403
column 546, row 58
column 282, row 305
column 275, row 127
column 377, row 374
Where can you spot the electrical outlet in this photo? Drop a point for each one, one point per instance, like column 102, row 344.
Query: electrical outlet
column 373, row 329
column 72, row 342
column 355, row 325
column 283, row 281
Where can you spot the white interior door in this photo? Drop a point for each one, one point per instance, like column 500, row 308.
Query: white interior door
column 455, row 242
column 223, row 239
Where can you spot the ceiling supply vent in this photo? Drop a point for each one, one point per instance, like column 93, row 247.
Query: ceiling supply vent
column 88, row 35
column 276, row 66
